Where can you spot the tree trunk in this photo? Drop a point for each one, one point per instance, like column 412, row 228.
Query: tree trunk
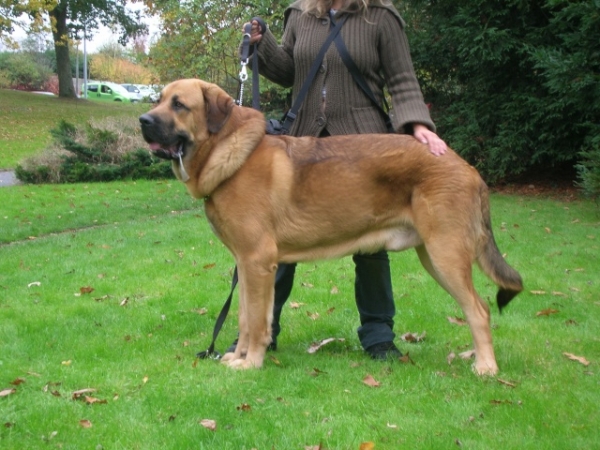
column 60, row 33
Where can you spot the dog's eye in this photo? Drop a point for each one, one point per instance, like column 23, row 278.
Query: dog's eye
column 177, row 105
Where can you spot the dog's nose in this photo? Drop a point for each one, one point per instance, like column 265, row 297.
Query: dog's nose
column 146, row 119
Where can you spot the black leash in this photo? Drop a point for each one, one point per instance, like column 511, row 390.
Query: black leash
column 210, row 352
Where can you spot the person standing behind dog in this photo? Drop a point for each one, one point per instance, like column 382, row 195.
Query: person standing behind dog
column 335, row 105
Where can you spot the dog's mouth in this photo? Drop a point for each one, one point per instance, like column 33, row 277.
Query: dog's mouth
column 171, row 152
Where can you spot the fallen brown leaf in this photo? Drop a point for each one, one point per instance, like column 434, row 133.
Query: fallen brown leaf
column 275, row 360
column 467, row 355
column 92, row 400
column 7, row 392
column 85, row 423
column 457, row 321
column 244, row 407
column 367, row 446
column 81, row 392
column 370, row 381
column 547, row 312
column 334, row 290
column 406, row 359
column 313, row 316
column 17, row 381
column 538, row 292
column 579, row 359
column 316, row 372
column 315, row 346
column 413, row 337
column 209, row 266
column 506, row 383
column 450, row 357
column 209, row 424
column 86, row 290
column 296, row 305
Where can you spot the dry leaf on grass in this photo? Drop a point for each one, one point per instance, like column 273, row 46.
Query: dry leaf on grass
column 506, row 383
column 86, row 290
column 315, row 346
column 209, row 424
column 538, row 292
column 579, row 359
column 413, row 337
column 91, row 400
column 367, row 446
column 457, row 321
column 7, row 392
column 316, row 372
column 275, row 360
column 17, row 381
column 370, row 381
column 77, row 395
column 406, row 359
column 313, row 316
column 296, row 305
column 85, row 423
column 450, row 357
column 244, row 407
column 547, row 312
column 467, row 355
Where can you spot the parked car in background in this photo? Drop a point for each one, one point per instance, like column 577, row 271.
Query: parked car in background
column 135, row 94
column 149, row 94
column 107, row 91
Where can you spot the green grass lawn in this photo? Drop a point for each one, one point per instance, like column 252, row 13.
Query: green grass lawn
column 115, row 287
column 27, row 119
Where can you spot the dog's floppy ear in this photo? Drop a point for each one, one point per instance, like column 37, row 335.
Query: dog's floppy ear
column 218, row 108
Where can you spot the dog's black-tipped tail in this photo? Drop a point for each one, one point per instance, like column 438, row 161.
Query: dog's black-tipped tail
column 492, row 262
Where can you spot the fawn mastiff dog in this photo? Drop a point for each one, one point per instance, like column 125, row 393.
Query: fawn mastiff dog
column 274, row 199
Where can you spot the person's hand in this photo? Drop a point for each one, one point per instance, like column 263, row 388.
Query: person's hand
column 423, row 134
column 255, row 32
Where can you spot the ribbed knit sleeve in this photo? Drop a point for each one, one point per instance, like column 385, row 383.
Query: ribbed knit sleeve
column 378, row 45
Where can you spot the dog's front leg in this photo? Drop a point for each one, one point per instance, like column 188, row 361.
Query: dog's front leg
column 257, row 291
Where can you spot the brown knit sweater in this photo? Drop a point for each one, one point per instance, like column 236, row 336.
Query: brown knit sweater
column 379, row 47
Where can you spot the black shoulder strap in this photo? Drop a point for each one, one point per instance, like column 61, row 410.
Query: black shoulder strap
column 358, row 78
column 293, row 112
column 290, row 116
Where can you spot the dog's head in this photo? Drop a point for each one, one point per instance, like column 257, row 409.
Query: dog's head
column 187, row 114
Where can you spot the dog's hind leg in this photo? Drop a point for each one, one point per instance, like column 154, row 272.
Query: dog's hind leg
column 452, row 269
column 257, row 280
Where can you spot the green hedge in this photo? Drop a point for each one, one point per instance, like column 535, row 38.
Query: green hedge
column 96, row 152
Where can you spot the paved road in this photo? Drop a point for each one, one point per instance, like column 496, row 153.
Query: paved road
column 7, row 178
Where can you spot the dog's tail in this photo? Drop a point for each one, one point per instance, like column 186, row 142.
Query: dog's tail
column 492, row 262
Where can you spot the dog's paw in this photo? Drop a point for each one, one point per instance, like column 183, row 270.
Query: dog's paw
column 227, row 357
column 241, row 364
column 485, row 370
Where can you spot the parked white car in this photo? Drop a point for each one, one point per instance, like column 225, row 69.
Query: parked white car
column 134, row 93
column 148, row 93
